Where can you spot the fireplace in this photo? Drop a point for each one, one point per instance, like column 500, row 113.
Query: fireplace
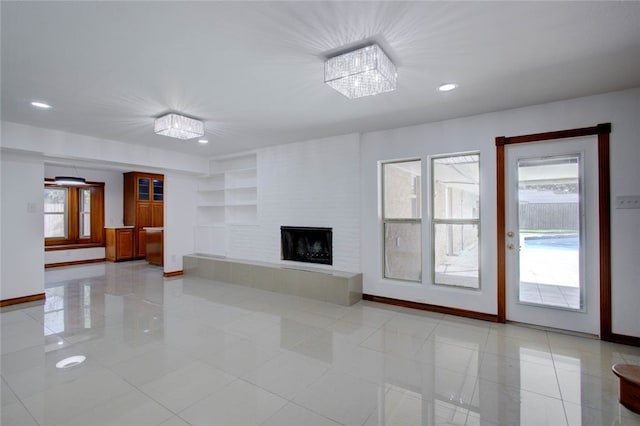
column 304, row 244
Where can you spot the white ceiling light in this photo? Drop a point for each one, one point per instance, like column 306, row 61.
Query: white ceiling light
column 70, row 180
column 203, row 141
column 362, row 72
column 179, row 126
column 447, row 87
column 40, row 105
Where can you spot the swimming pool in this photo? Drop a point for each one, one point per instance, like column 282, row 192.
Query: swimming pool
column 552, row 242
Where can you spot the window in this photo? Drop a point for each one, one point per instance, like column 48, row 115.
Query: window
column 73, row 215
column 402, row 220
column 55, row 212
column 85, row 213
column 456, row 220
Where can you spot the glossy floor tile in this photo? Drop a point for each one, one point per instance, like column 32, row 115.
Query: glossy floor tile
column 188, row 351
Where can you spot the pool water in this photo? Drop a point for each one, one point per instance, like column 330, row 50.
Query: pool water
column 552, row 242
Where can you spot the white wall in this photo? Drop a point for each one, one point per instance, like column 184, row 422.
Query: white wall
column 113, row 208
column 179, row 218
column 314, row 183
column 113, row 181
column 22, row 226
column 478, row 133
column 334, row 182
column 22, row 258
column 57, row 144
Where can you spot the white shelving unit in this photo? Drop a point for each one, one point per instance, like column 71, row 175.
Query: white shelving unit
column 227, row 196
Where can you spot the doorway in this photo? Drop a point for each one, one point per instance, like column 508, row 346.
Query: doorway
column 553, row 230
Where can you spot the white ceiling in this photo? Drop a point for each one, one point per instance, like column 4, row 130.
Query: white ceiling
column 254, row 70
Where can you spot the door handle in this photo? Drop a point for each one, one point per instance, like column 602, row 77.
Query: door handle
column 512, row 247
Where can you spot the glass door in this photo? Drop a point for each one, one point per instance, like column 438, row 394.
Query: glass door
column 552, row 267
column 550, row 231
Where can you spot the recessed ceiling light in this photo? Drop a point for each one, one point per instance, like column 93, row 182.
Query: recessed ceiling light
column 72, row 361
column 447, row 87
column 203, row 141
column 40, row 105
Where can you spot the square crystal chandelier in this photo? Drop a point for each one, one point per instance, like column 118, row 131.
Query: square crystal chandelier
column 179, row 126
column 362, row 72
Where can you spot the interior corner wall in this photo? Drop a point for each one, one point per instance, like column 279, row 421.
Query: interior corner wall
column 22, row 226
column 477, row 133
column 313, row 183
column 179, row 219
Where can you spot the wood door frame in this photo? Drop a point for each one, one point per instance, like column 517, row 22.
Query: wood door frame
column 602, row 131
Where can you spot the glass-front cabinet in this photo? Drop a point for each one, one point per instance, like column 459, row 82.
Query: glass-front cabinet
column 143, row 205
column 143, row 189
column 158, row 188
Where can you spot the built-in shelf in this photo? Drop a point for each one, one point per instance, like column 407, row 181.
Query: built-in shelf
column 227, row 196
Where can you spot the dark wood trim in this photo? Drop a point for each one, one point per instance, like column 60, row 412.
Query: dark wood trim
column 73, row 262
column 624, row 339
column 604, row 205
column 501, row 222
column 23, row 299
column 74, row 240
column 73, row 246
column 561, row 134
column 604, row 212
column 173, row 274
column 432, row 308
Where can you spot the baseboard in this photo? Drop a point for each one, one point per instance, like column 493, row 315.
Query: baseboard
column 173, row 274
column 73, row 262
column 432, row 308
column 23, row 299
column 624, row 339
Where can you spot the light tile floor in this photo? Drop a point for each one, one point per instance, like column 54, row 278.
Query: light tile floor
column 187, row 351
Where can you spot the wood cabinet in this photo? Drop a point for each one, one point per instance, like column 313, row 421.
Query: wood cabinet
column 154, row 243
column 119, row 244
column 143, row 205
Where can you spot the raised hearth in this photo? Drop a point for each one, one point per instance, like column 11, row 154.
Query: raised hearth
column 343, row 288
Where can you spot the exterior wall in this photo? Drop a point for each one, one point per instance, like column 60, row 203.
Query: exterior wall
column 477, row 133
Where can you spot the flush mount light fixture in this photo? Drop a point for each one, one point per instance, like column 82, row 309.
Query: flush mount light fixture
column 40, row 105
column 70, row 180
column 363, row 72
column 72, row 361
column 447, row 87
column 179, row 126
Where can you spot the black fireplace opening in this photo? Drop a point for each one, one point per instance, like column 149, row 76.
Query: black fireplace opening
column 305, row 244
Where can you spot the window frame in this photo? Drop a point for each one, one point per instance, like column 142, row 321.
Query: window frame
column 74, row 238
column 64, row 213
column 386, row 220
column 82, row 213
column 435, row 222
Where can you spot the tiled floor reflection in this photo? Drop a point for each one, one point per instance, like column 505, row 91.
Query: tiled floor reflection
column 187, row 351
